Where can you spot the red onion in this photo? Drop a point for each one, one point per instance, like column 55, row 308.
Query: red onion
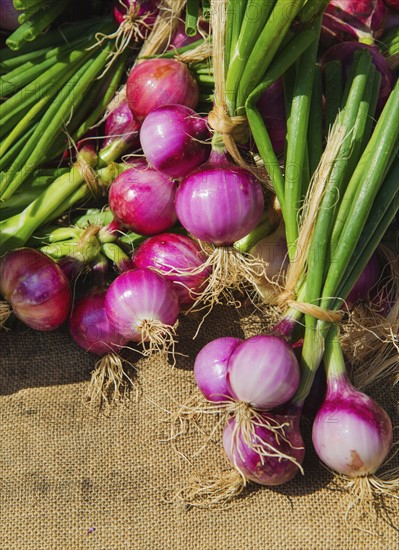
column 344, row 52
column 8, row 15
column 142, row 199
column 142, row 305
column 173, row 140
column 35, row 288
column 174, row 256
column 272, row 109
column 156, row 82
column 351, row 433
column 352, row 20
column 90, row 327
column 219, row 202
column 180, row 37
column 267, row 459
column 210, row 368
column 136, row 15
column 366, row 282
column 120, row 123
column 263, row 372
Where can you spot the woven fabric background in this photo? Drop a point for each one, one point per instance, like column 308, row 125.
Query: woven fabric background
column 64, row 471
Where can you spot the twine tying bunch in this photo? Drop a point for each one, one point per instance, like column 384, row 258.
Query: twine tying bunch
column 89, row 176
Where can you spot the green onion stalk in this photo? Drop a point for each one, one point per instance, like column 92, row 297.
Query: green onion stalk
column 72, row 90
column 346, row 234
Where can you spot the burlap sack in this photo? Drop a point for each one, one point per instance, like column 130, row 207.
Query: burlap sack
column 70, row 480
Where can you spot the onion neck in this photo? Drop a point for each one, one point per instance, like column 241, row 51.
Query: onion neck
column 218, row 146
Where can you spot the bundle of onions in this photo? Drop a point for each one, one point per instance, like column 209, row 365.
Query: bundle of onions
column 249, row 383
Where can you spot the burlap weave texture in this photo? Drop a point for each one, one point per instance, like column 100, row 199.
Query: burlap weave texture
column 64, row 472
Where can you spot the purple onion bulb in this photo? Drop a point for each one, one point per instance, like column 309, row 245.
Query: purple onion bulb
column 263, row 372
column 143, row 200
column 90, row 327
column 139, row 296
column 156, row 82
column 36, row 288
column 175, row 140
column 210, row 368
column 175, row 256
column 219, row 202
column 261, row 468
column 351, row 434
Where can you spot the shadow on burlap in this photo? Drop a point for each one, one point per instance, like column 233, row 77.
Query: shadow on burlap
column 70, row 480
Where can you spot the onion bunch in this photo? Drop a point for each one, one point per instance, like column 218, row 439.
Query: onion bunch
column 249, row 382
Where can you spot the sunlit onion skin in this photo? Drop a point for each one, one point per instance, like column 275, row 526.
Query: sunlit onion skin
column 351, row 433
column 352, row 20
column 142, row 199
column 266, row 470
column 263, row 372
column 169, row 252
column 344, row 52
column 219, row 202
column 156, row 82
column 90, row 327
column 137, row 296
column 120, row 123
column 210, row 368
column 175, row 140
column 36, row 288
column 366, row 282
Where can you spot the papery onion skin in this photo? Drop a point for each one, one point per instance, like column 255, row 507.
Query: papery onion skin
column 169, row 252
column 140, row 295
column 269, row 471
column 143, row 200
column 173, row 138
column 263, row 372
column 90, row 327
column 156, row 82
column 36, row 288
column 351, row 433
column 210, row 368
column 219, row 202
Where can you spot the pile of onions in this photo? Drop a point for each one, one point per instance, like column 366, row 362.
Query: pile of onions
column 251, row 382
column 35, row 289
